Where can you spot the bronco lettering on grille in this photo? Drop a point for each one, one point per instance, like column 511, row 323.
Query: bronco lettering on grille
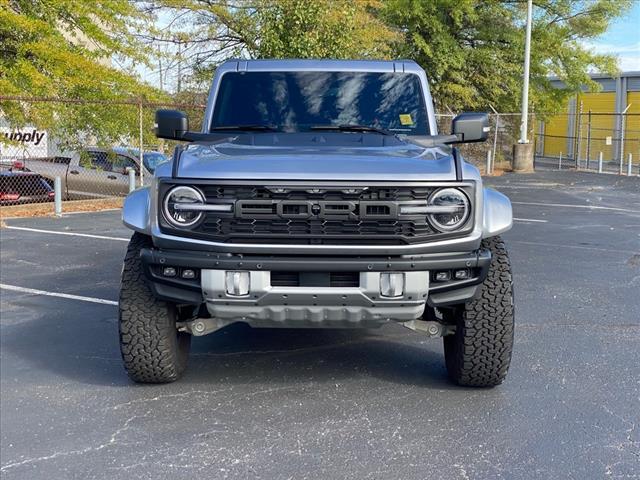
column 321, row 209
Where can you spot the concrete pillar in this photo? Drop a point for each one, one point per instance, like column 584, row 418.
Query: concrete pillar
column 523, row 157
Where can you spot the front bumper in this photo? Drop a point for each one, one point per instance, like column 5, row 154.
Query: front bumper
column 268, row 305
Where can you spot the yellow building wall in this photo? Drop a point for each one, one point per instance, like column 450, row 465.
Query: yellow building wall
column 555, row 135
column 602, row 126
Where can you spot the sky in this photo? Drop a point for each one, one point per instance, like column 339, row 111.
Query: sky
column 623, row 40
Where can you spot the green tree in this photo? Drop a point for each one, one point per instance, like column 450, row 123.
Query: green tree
column 77, row 49
column 321, row 29
column 274, row 29
column 473, row 49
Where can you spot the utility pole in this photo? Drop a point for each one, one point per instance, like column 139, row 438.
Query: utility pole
column 523, row 150
column 525, row 82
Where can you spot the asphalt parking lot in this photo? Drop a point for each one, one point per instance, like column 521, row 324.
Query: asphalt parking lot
column 333, row 404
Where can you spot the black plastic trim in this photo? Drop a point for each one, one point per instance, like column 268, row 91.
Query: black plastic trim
column 177, row 153
column 458, row 164
column 189, row 291
column 181, row 296
column 218, row 261
column 452, row 297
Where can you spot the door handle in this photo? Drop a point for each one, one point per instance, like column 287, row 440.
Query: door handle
column 112, row 177
column 74, row 172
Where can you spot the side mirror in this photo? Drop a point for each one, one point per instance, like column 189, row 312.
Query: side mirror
column 471, row 127
column 171, row 124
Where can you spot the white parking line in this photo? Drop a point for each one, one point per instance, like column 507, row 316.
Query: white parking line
column 33, row 291
column 578, row 247
column 590, row 207
column 82, row 212
column 73, row 234
column 527, row 220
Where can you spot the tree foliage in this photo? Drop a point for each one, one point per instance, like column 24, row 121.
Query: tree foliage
column 320, row 29
column 473, row 49
column 75, row 49
column 211, row 31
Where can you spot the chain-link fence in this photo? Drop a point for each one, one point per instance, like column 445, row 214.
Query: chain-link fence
column 86, row 167
column 497, row 152
column 594, row 141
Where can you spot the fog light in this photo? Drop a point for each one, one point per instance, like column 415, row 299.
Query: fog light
column 237, row 283
column 461, row 274
column 188, row 274
column 391, row 284
column 169, row 272
column 443, row 276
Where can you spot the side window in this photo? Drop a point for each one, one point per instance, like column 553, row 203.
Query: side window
column 95, row 160
column 122, row 163
column 86, row 158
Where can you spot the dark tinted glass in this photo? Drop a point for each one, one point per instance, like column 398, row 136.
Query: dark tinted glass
column 152, row 159
column 298, row 100
column 120, row 163
column 96, row 159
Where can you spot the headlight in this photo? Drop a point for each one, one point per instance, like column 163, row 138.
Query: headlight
column 177, row 205
column 452, row 207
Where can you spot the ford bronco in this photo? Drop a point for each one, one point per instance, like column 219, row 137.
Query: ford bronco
column 318, row 194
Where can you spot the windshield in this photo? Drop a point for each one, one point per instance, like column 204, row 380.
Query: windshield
column 152, row 159
column 299, row 101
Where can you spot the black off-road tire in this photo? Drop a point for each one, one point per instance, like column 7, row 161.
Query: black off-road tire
column 152, row 349
column 479, row 353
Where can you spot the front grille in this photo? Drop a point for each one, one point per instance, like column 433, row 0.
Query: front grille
column 344, row 279
column 315, row 279
column 311, row 231
column 234, row 192
column 313, row 215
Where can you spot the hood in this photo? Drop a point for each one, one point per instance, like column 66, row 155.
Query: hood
column 356, row 157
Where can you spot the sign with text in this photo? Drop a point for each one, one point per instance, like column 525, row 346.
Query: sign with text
column 23, row 142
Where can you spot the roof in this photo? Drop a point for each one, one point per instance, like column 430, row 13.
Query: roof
column 241, row 65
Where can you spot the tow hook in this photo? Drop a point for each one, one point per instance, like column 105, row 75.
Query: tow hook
column 202, row 326
column 431, row 328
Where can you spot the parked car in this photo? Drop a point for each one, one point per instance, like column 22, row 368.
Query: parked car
column 18, row 187
column 96, row 172
column 319, row 194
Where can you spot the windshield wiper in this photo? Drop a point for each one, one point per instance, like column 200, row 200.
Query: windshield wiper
column 352, row 128
column 247, row 128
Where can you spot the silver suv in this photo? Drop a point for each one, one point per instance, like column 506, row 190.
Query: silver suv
column 318, row 194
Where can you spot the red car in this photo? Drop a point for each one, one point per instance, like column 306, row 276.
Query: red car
column 18, row 187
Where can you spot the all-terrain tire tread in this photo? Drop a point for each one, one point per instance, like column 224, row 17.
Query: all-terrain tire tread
column 479, row 353
column 153, row 351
